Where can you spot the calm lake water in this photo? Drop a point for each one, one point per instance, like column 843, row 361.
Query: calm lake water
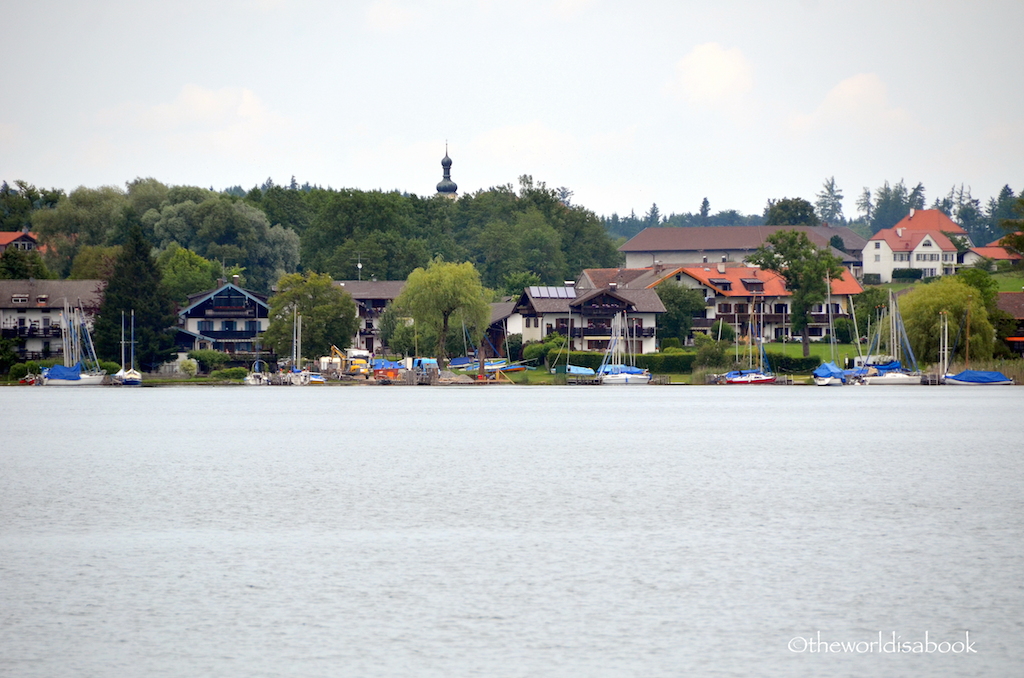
column 511, row 531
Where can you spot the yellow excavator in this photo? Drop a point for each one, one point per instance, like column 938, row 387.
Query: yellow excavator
column 353, row 363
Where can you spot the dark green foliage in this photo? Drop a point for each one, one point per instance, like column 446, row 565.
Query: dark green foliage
column 8, row 355
column 722, row 331
column 872, row 279
column 18, row 202
column 109, row 366
column 209, row 359
column 681, row 304
column 790, row 212
column 17, row 264
column 230, row 373
column 844, row 330
column 670, row 342
column 135, row 285
column 907, row 273
column 711, row 353
column 837, row 242
column 785, row 364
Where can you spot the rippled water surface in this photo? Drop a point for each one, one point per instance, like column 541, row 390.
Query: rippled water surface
column 509, row 531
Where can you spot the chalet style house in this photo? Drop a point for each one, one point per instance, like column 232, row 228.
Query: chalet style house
column 921, row 240
column 371, row 297
column 228, row 319
column 30, row 312
column 585, row 315
column 993, row 252
column 18, row 240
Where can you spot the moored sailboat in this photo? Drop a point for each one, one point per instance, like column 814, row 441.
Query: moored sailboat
column 81, row 367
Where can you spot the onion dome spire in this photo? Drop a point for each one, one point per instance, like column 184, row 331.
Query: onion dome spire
column 447, row 187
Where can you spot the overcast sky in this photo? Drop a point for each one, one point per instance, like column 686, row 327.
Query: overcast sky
column 624, row 103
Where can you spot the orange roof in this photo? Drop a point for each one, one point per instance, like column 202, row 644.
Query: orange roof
column 901, row 239
column 7, row 237
column 773, row 283
column 996, row 253
column 929, row 220
column 998, row 242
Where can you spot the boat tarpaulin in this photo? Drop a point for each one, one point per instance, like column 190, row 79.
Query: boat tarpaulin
column 829, row 369
column 981, row 377
column 65, row 373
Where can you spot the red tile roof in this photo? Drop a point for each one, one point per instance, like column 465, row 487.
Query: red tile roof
column 901, row 239
column 1012, row 303
column 7, row 237
column 929, row 220
column 774, row 284
column 996, row 253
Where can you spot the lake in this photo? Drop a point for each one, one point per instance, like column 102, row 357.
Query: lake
column 511, row 531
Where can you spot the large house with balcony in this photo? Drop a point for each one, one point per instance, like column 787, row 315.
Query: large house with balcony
column 585, row 315
column 228, row 319
column 31, row 311
column 921, row 240
column 756, row 301
column 371, row 297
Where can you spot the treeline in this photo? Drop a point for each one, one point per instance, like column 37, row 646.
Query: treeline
column 513, row 237
column 877, row 209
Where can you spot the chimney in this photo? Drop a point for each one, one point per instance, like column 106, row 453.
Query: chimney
column 234, row 280
column 613, row 285
column 911, row 213
column 721, row 268
column 899, row 232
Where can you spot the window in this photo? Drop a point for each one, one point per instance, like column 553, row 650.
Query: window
column 741, row 308
column 725, row 308
column 948, row 257
column 926, row 243
column 814, row 332
column 19, row 298
column 878, row 257
column 227, row 325
column 933, row 257
column 929, row 273
column 921, row 257
column 901, row 256
column 252, row 325
column 878, row 245
column 205, row 325
column 780, row 308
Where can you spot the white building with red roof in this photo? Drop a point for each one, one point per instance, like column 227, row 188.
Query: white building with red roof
column 994, row 252
column 921, row 240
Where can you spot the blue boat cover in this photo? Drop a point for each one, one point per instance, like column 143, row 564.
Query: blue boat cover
column 981, row 377
column 382, row 364
column 739, row 373
column 894, row 366
column 829, row 369
column 620, row 369
column 65, row 373
column 576, row 369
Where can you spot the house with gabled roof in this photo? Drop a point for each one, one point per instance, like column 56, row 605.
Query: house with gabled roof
column 585, row 315
column 30, row 312
column 679, row 246
column 371, row 297
column 748, row 297
column 227, row 318
column 921, row 240
column 994, row 252
column 19, row 240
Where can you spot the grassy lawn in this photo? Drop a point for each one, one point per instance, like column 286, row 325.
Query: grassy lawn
column 1011, row 281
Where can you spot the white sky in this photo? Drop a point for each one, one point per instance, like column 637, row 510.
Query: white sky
column 625, row 103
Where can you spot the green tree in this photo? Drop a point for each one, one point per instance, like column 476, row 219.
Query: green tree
column 88, row 216
column 513, row 284
column 790, row 212
column 705, row 210
column 829, row 204
column 806, row 270
column 867, row 307
column 328, row 314
column 1014, row 238
column 18, row 264
column 184, row 272
column 442, row 293
column 94, row 262
column 921, row 309
column 135, row 285
column 681, row 303
column 18, row 202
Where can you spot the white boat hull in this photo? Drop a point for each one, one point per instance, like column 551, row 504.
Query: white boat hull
column 828, row 381
column 84, row 380
column 626, row 379
column 894, row 379
column 950, row 381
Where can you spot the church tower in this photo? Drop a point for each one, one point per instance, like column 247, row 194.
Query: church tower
column 447, row 187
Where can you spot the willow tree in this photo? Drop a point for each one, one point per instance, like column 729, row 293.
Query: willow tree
column 806, row 269
column 442, row 293
column 969, row 325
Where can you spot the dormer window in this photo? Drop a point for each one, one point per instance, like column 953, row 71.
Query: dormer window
column 42, row 299
column 926, row 243
column 19, row 298
column 723, row 284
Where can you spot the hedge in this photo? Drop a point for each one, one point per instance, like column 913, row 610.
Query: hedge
column 791, row 365
column 230, row 373
column 907, row 273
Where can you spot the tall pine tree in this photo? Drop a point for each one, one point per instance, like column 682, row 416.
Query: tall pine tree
column 135, row 285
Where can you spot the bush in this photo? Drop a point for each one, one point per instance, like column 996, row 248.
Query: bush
column 670, row 342
column 872, row 278
column 109, row 367
column 728, row 333
column 712, row 354
column 209, row 360
column 907, row 273
column 189, row 367
column 17, row 371
column 33, row 367
column 844, row 330
column 230, row 373
column 792, row 365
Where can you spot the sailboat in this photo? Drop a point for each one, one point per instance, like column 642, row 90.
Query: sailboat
column 828, row 373
column 131, row 376
column 761, row 373
column 967, row 377
column 617, row 366
column 893, row 372
column 81, row 367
